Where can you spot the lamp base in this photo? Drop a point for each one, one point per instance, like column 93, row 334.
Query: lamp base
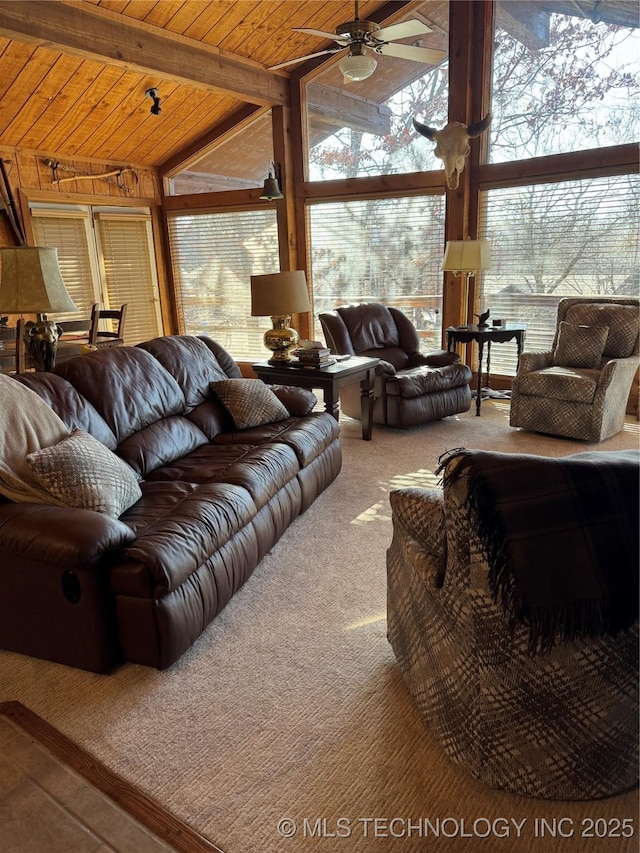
column 281, row 339
column 41, row 342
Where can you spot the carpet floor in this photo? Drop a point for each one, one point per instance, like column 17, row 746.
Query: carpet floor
column 287, row 727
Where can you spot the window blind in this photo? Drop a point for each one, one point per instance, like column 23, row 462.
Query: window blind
column 67, row 231
column 380, row 250
column 125, row 243
column 213, row 257
column 574, row 238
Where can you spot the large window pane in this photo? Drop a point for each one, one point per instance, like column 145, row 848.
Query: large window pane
column 380, row 250
column 577, row 238
column 563, row 81
column 213, row 257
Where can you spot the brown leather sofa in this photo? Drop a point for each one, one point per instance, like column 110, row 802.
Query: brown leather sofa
column 411, row 388
column 81, row 588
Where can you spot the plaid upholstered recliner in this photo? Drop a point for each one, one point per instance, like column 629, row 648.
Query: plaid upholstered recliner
column 518, row 646
column 580, row 388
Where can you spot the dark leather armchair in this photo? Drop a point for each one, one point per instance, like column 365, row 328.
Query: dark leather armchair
column 412, row 388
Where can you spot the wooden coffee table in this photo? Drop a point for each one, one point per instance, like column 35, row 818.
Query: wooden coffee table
column 329, row 380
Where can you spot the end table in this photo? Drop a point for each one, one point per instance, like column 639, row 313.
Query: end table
column 495, row 334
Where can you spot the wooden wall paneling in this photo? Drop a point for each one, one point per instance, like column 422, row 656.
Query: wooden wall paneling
column 69, row 96
column 13, row 57
column 29, row 173
column 94, row 102
column 217, row 19
column 22, row 129
column 464, row 55
column 162, row 13
column 17, row 95
column 481, row 83
column 130, row 112
column 187, row 114
column 104, row 113
column 165, row 282
column 87, row 32
column 244, row 26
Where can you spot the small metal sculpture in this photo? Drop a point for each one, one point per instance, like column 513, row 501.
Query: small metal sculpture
column 482, row 318
column 41, row 342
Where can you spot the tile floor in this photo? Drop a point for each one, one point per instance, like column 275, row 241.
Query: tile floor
column 47, row 808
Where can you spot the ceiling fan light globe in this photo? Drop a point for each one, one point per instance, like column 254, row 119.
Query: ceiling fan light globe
column 357, row 68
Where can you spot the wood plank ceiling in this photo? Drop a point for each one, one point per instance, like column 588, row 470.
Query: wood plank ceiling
column 73, row 73
column 71, row 98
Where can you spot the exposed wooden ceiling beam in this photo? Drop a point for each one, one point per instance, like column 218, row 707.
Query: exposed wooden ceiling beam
column 96, row 36
column 328, row 105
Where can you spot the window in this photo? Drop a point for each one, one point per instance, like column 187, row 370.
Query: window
column 129, row 273
column 213, row 257
column 364, row 128
column 238, row 160
column 562, row 81
column 574, row 238
column 111, row 265
column 380, row 250
column 70, row 233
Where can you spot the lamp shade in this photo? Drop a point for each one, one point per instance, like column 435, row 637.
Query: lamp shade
column 31, row 281
column 467, row 256
column 279, row 293
column 357, row 67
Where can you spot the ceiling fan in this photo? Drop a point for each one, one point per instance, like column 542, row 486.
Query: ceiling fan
column 361, row 38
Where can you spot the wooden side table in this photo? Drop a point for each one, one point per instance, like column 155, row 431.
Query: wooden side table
column 488, row 334
column 329, row 380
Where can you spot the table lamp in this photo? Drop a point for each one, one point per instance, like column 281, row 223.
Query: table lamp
column 279, row 295
column 466, row 258
column 31, row 283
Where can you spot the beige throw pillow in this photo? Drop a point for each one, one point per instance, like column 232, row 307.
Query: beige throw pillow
column 250, row 402
column 80, row 471
column 580, row 346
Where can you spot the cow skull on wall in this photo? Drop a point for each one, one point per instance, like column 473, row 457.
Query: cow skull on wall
column 452, row 144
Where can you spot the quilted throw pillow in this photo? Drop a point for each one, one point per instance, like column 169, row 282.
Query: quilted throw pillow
column 250, row 402
column 81, row 472
column 580, row 346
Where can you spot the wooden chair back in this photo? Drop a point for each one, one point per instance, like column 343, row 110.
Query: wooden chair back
column 117, row 316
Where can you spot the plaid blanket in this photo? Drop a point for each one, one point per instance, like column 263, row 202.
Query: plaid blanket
column 561, row 537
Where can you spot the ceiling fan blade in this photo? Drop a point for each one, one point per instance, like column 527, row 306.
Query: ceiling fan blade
column 417, row 54
column 405, row 29
column 322, row 34
column 302, row 58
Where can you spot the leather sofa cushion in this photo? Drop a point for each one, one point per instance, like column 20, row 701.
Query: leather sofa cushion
column 262, row 471
column 178, row 526
column 370, row 327
column 126, row 385
column 211, row 417
column 426, row 380
column 308, row 438
column 573, row 384
column 72, row 409
column 191, row 363
column 395, row 356
column 160, row 443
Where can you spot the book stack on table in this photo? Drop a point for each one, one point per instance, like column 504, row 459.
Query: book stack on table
column 314, row 357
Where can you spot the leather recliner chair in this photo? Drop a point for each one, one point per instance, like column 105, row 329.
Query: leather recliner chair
column 412, row 388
